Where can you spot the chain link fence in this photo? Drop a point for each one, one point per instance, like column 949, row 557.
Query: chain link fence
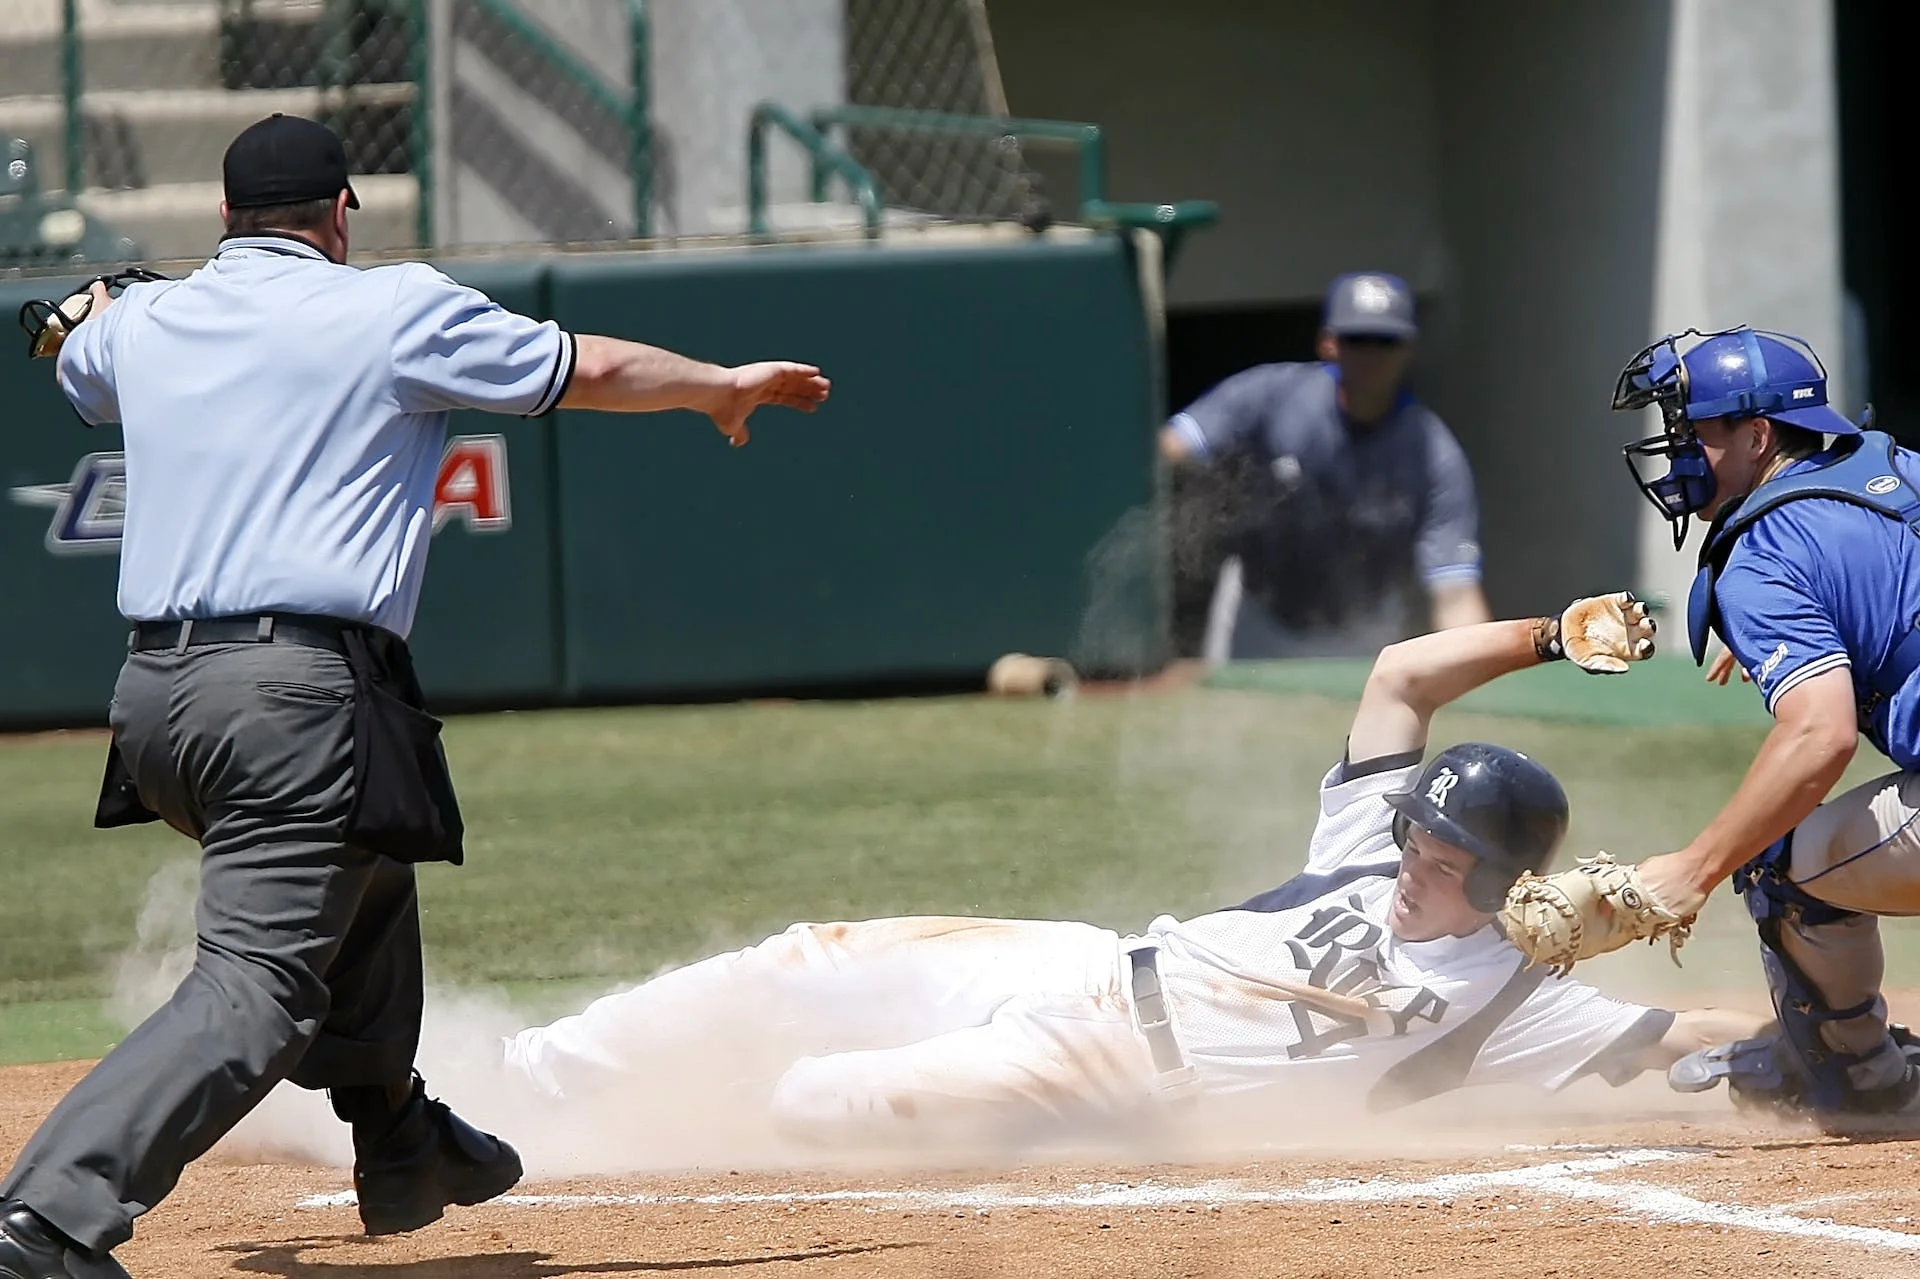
column 497, row 122
column 935, row 56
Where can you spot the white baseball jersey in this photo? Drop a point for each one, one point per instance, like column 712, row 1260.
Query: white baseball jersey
column 1458, row 1010
column 898, row 1029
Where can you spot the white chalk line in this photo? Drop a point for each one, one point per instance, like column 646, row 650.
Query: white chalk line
column 1849, row 1197
column 1571, row 1179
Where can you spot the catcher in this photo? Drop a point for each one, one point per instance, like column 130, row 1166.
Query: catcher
column 1810, row 574
column 1375, row 975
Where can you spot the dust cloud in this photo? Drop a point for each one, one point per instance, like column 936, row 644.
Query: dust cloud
column 162, row 948
column 704, row 1103
column 1247, row 804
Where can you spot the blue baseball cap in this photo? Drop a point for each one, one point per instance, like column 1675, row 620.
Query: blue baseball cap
column 1370, row 304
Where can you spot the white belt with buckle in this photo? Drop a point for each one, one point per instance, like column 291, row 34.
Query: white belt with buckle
column 1154, row 1019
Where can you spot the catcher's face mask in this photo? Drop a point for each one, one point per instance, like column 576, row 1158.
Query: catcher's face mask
column 1658, row 376
column 47, row 323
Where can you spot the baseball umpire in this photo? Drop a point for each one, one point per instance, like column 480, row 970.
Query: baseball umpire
column 284, row 416
column 1810, row 573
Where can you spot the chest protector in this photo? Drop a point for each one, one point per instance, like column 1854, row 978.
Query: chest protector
column 1860, row 471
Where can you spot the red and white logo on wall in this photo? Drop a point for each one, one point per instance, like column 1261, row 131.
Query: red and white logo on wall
column 90, row 508
column 472, row 487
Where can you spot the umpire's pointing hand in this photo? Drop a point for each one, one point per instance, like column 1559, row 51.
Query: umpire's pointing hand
column 793, row 386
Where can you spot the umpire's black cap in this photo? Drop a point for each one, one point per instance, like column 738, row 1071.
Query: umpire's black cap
column 285, row 159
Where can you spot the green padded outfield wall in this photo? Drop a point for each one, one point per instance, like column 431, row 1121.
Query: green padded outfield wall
column 988, row 447
column 61, row 638
column 992, row 423
column 486, row 632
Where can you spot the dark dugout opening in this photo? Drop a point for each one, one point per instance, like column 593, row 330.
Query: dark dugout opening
column 1880, row 258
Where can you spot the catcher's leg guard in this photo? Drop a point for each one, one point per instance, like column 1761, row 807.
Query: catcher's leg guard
column 1764, row 1072
column 1833, row 1052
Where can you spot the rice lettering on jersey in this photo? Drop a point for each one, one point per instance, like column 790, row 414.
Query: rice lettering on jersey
column 1338, row 952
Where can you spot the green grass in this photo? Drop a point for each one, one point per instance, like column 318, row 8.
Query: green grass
column 1670, row 691
column 606, row 844
column 56, row 1030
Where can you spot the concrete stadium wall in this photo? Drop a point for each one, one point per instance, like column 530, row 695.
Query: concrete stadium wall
column 1561, row 183
column 1551, row 132
column 1312, row 124
column 524, row 156
column 1749, row 218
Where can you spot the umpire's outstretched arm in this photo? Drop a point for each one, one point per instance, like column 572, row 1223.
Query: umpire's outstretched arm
column 630, row 377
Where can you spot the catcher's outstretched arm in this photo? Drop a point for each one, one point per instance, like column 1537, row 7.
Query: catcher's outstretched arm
column 1813, row 739
column 1413, row 679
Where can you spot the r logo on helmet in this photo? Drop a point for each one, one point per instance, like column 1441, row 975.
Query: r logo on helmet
column 1443, row 782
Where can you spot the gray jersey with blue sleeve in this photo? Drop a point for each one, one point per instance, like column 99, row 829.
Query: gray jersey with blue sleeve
column 1343, row 516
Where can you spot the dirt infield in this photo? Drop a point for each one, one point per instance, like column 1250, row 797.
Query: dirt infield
column 1610, row 1183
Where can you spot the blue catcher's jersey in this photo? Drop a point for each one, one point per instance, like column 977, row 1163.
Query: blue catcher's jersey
column 1823, row 582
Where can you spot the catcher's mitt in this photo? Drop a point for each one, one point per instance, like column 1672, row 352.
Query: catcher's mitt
column 47, row 322
column 1597, row 907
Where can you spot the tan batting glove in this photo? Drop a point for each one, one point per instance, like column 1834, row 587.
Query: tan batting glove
column 1599, row 634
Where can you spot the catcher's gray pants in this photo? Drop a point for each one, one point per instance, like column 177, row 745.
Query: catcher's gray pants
column 1860, row 852
column 308, row 964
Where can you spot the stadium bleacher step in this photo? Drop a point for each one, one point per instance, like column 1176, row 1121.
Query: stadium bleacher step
column 123, row 46
column 168, row 83
column 180, row 221
column 151, row 137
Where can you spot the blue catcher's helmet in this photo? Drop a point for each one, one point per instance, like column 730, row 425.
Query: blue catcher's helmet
column 1742, row 372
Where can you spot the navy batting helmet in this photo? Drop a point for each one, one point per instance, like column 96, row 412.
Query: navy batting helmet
column 1495, row 803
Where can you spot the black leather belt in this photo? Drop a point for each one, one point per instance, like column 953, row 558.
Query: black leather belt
column 255, row 628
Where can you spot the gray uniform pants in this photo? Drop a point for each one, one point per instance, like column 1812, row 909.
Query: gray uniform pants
column 308, row 963
column 1861, row 852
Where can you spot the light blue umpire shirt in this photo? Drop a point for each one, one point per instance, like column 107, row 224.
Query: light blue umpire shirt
column 284, row 418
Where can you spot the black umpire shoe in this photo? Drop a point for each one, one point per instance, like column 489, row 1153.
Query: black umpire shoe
column 427, row 1159
column 30, row 1248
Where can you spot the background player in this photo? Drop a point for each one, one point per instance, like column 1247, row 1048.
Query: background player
column 1810, row 573
column 1374, row 973
column 1356, row 516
